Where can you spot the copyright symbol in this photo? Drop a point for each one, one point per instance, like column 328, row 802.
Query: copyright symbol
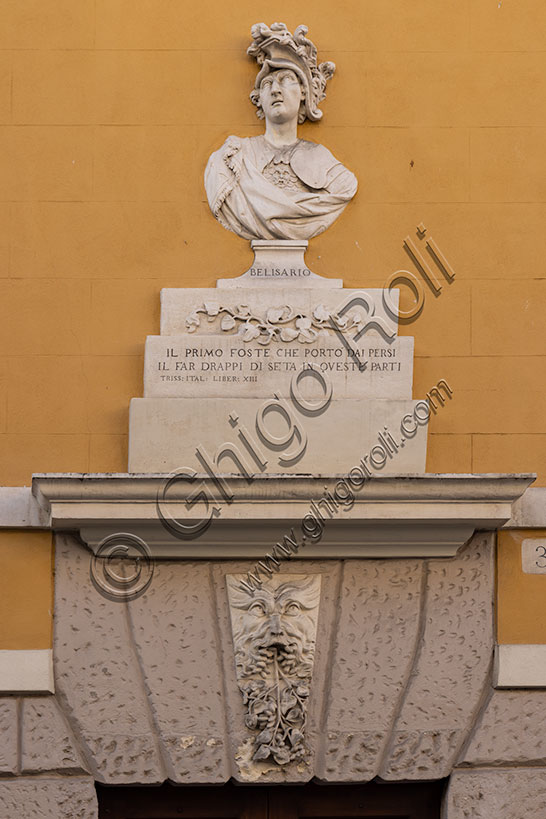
column 122, row 567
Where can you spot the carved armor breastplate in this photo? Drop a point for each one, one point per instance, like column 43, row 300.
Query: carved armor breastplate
column 282, row 175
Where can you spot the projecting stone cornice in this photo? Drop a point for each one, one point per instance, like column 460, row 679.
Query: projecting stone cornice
column 393, row 516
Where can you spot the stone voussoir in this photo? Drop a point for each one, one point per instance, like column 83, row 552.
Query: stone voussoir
column 374, row 647
column 97, row 675
column 174, row 627
column 452, row 666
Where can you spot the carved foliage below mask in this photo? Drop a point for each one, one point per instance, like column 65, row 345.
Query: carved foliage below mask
column 274, row 630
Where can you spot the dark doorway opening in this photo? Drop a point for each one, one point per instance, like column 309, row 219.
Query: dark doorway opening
column 312, row 801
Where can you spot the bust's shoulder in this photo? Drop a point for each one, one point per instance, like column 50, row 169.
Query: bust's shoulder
column 226, row 156
column 235, row 144
column 320, row 153
column 311, row 161
column 232, row 144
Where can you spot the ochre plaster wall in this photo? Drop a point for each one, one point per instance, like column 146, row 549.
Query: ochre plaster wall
column 521, row 598
column 26, row 590
column 108, row 112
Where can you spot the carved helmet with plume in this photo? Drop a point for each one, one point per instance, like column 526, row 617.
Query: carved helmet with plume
column 274, row 47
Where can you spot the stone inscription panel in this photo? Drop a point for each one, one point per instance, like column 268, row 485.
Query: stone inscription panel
column 533, row 555
column 186, row 366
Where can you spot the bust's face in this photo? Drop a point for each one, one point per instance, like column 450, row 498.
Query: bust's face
column 281, row 95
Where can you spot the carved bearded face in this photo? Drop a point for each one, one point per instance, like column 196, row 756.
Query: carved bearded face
column 277, row 620
column 281, row 95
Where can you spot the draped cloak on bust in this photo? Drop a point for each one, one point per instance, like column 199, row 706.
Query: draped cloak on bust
column 245, row 201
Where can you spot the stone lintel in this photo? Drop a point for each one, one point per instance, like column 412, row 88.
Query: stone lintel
column 391, row 516
column 19, row 509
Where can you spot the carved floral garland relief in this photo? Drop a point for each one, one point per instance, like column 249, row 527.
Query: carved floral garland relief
column 274, row 631
column 279, row 323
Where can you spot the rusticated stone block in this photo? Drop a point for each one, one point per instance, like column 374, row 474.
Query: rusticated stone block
column 47, row 742
column 512, row 730
column 506, row 794
column 452, row 666
column 175, row 634
column 375, row 644
column 351, row 756
column 124, row 759
column 98, row 678
column 196, row 759
column 8, row 734
column 429, row 750
column 41, row 798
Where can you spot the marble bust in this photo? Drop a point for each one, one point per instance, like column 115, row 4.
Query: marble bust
column 276, row 186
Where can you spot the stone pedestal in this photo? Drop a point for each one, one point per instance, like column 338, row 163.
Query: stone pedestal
column 276, row 262
column 277, row 371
